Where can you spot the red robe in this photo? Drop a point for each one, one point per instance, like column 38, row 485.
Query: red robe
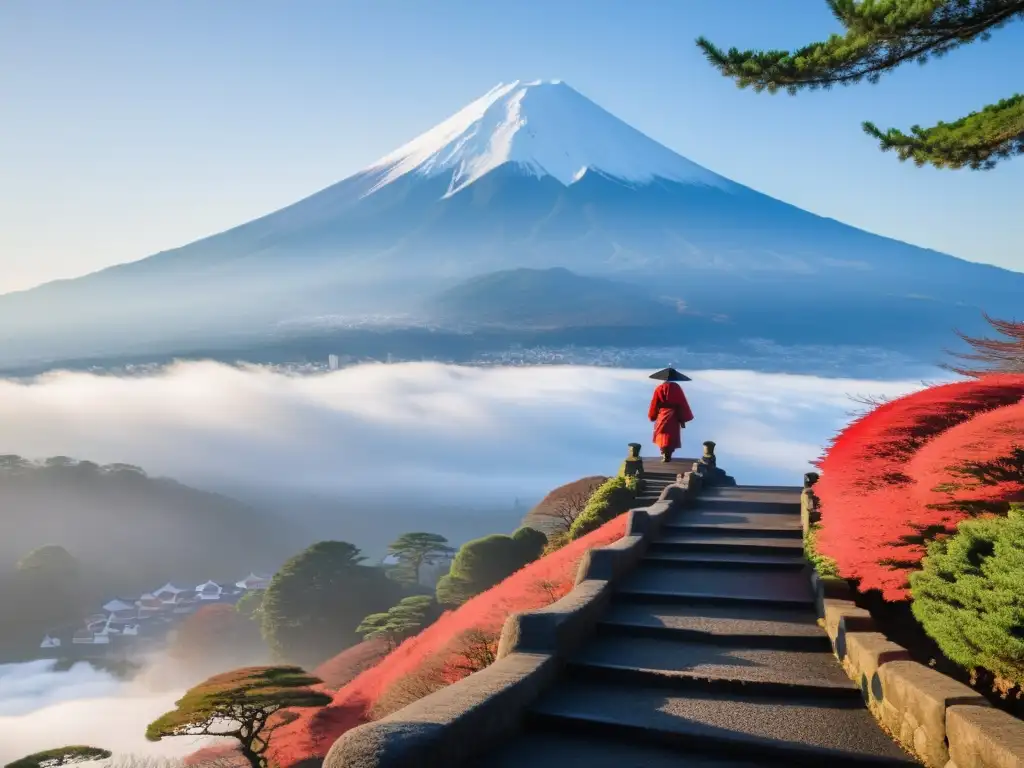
column 669, row 411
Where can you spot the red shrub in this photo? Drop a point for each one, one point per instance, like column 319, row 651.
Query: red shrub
column 973, row 468
column 441, row 643
column 869, row 514
column 218, row 756
column 349, row 664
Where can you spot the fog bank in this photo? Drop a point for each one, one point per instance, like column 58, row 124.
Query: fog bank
column 41, row 708
column 415, row 428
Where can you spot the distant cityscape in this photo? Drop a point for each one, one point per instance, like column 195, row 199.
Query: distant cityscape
column 760, row 355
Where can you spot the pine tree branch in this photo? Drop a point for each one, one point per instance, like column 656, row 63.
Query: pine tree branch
column 881, row 35
column 979, row 140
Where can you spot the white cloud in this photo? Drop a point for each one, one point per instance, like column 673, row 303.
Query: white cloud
column 41, row 708
column 418, row 427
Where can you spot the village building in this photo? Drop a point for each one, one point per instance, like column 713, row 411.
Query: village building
column 150, row 605
column 121, row 609
column 149, row 620
column 89, row 637
column 169, row 593
column 209, row 590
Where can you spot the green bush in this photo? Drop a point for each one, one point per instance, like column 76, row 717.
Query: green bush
column 823, row 564
column 611, row 499
column 531, row 542
column 484, row 562
column 969, row 594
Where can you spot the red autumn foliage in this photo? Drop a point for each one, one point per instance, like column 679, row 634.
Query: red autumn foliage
column 869, row 514
column 217, row 756
column 441, row 644
column 1004, row 355
column 974, row 468
column 349, row 664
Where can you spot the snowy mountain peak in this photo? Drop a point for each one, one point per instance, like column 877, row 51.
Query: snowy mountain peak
column 548, row 129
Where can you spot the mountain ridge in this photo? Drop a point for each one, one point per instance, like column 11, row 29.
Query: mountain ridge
column 478, row 194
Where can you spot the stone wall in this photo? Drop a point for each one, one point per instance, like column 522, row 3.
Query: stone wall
column 453, row 726
column 943, row 722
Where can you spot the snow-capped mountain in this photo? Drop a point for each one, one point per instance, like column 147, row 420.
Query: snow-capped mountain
column 531, row 176
column 544, row 128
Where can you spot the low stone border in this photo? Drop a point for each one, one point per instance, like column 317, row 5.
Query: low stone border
column 944, row 723
column 458, row 723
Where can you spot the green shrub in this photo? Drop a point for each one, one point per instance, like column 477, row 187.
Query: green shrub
column 531, row 542
column 611, row 499
column 969, row 595
column 483, row 562
column 823, row 564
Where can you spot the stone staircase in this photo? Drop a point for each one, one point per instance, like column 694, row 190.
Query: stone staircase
column 709, row 654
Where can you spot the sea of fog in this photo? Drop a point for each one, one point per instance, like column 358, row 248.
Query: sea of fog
column 416, row 429
column 41, row 708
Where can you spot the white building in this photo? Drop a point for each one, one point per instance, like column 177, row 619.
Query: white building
column 121, row 609
column 210, row 590
column 168, row 593
column 150, row 605
column 50, row 642
column 332, row 362
column 88, row 637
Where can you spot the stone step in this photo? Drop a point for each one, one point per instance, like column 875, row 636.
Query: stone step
column 750, row 626
column 541, row 749
column 732, row 544
column 682, row 527
column 780, row 507
column 757, row 518
column 707, row 667
column 736, row 560
column 792, row 732
column 708, row 585
column 769, row 493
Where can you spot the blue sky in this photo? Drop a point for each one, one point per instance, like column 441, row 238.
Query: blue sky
column 130, row 127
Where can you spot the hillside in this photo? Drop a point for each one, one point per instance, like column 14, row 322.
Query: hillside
column 556, row 511
column 138, row 531
column 530, row 176
column 549, row 298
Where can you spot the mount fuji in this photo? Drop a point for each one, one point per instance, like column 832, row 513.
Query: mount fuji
column 531, row 210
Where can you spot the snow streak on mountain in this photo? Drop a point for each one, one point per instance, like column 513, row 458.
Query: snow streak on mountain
column 545, row 127
column 531, row 208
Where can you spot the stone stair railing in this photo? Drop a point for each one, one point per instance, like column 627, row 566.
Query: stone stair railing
column 452, row 726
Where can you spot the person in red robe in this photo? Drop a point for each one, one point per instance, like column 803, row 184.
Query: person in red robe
column 669, row 410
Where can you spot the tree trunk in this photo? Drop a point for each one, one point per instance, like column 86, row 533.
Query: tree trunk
column 256, row 761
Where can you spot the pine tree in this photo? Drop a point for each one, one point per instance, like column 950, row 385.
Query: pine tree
column 397, row 623
column 882, row 35
column 1004, row 355
column 412, row 550
column 62, row 756
column 246, row 704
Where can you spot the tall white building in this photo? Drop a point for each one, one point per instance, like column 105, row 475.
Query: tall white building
column 332, row 362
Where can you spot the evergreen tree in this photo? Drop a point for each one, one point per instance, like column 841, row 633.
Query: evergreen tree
column 482, row 563
column 880, row 36
column 412, row 550
column 314, row 603
column 969, row 596
column 397, row 623
column 55, row 758
column 246, row 704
